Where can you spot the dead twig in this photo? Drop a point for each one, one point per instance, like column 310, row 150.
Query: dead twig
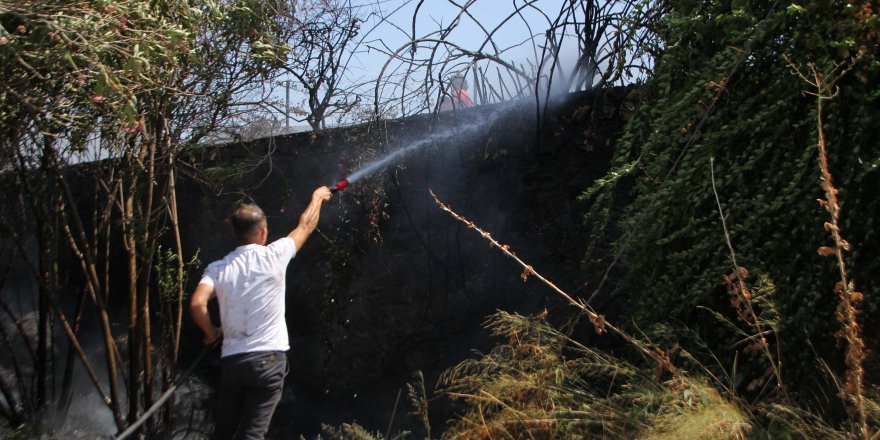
column 743, row 296
column 852, row 391
column 600, row 325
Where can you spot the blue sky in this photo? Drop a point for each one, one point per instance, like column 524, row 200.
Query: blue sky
column 513, row 38
column 392, row 27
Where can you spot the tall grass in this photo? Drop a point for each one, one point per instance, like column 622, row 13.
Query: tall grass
column 541, row 384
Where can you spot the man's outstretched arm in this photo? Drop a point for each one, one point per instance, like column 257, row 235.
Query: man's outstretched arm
column 198, row 308
column 308, row 220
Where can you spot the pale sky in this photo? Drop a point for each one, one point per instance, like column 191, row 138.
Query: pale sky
column 514, row 39
column 468, row 34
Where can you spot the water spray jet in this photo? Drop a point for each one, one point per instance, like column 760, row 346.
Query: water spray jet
column 460, row 131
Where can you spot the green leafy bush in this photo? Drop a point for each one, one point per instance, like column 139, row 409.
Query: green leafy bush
column 724, row 88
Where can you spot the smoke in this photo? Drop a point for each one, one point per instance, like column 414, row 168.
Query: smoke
column 447, row 134
column 416, row 301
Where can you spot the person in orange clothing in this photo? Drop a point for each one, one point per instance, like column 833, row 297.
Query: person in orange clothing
column 458, row 97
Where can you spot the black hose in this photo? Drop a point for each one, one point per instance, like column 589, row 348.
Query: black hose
column 165, row 396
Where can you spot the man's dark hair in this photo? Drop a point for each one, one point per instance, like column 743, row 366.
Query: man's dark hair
column 247, row 221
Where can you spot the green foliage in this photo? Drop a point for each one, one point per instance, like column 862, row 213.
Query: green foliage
column 68, row 67
column 723, row 88
column 231, row 174
column 169, row 275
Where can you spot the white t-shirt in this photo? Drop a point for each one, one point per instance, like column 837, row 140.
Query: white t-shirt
column 249, row 283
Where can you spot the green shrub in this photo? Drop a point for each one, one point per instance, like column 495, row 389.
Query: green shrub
column 724, row 89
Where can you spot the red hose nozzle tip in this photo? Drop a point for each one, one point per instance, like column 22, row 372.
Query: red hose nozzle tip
column 341, row 185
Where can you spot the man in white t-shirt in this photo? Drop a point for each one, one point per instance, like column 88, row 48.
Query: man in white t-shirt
column 249, row 286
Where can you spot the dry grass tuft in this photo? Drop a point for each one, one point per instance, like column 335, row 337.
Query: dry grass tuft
column 541, row 384
column 704, row 415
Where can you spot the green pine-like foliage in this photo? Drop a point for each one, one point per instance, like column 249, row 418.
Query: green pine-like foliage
column 726, row 91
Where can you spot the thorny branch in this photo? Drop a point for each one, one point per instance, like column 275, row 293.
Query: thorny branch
column 600, row 325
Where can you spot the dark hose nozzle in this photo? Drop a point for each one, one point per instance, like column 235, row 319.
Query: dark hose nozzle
column 341, row 185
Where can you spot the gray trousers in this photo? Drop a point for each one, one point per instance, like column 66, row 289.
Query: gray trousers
column 250, row 388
